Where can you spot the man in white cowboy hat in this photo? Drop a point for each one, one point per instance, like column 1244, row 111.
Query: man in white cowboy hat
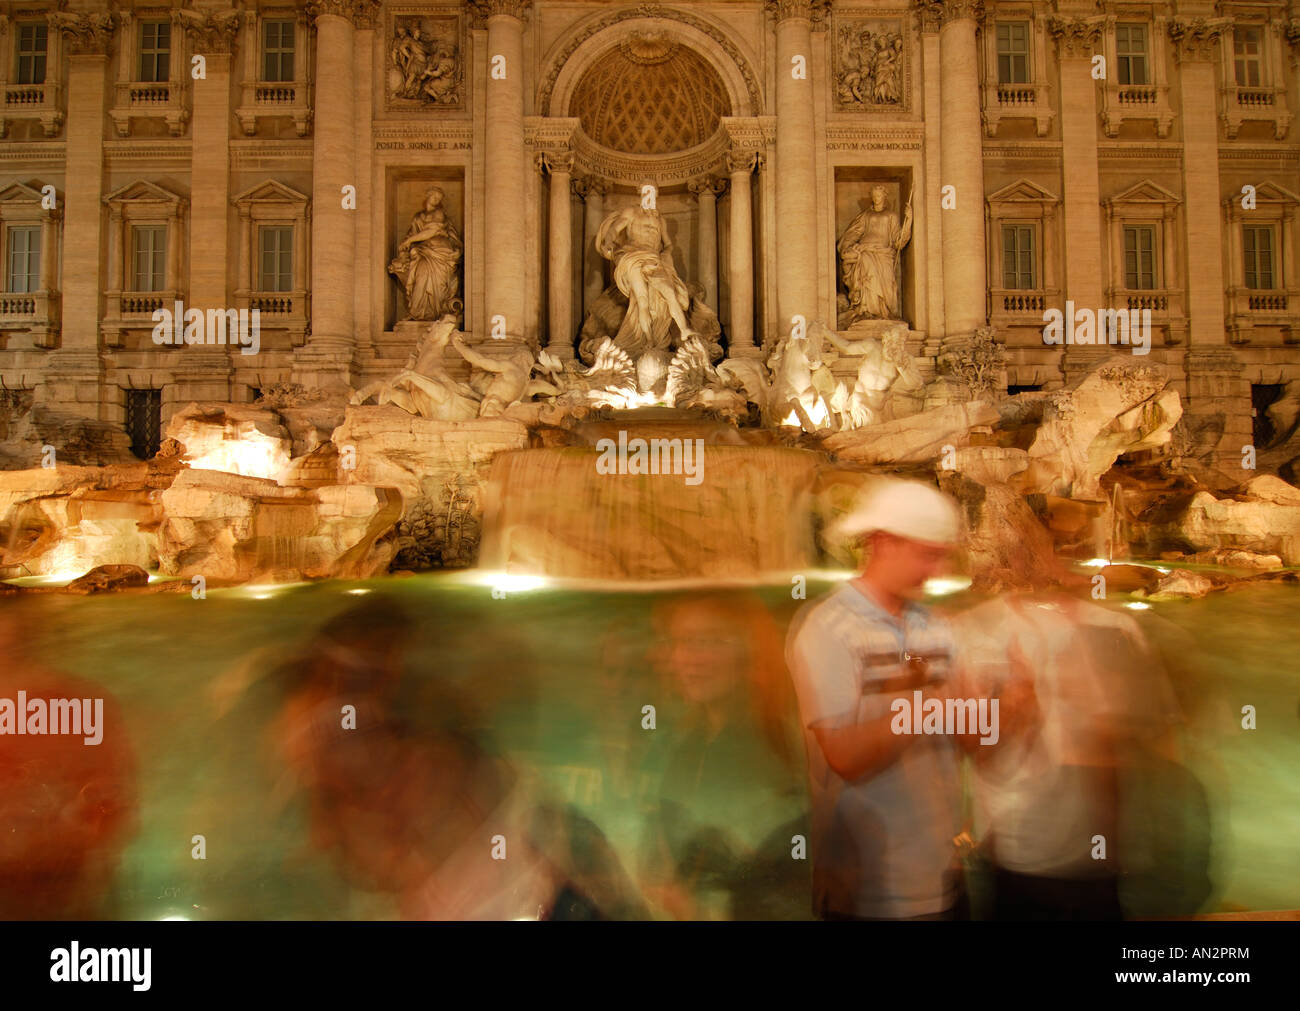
column 886, row 805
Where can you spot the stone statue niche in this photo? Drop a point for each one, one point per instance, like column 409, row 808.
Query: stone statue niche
column 427, row 264
column 649, row 312
column 870, row 256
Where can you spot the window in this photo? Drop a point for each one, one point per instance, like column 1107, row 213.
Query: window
column 1013, row 52
column 144, row 421
column 155, row 51
column 148, row 257
column 1018, row 266
column 1246, row 50
column 1257, row 245
column 275, row 246
column 277, row 51
column 32, row 48
column 1131, row 53
column 24, row 273
column 1139, row 257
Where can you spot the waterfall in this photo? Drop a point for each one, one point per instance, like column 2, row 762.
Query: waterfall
column 550, row 512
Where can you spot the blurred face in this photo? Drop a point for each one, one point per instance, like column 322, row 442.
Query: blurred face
column 704, row 652
column 903, row 564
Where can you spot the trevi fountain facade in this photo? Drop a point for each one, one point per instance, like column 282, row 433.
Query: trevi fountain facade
column 474, row 242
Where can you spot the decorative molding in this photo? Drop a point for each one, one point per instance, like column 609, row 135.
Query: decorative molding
column 1076, row 36
column 932, row 15
column 362, row 13
column 210, row 33
column 556, row 161
column 659, row 13
column 1195, row 38
column 481, row 10
column 85, row 34
column 813, row 11
column 707, row 184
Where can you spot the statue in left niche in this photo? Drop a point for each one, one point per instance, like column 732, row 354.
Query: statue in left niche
column 428, row 262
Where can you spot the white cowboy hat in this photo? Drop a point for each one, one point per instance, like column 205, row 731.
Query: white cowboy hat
column 903, row 508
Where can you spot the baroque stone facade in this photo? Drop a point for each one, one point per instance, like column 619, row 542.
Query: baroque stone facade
column 274, row 156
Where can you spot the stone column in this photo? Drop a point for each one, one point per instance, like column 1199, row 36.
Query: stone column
column 1195, row 43
column 213, row 37
column 740, row 164
column 561, row 331
column 326, row 361
column 965, row 277
column 505, row 258
column 796, row 174
column 73, row 373
column 706, row 192
column 1216, row 386
column 1076, row 38
column 592, row 190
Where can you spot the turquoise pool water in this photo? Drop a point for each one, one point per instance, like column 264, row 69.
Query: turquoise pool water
column 556, row 680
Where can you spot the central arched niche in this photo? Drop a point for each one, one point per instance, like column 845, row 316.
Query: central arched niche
column 650, row 95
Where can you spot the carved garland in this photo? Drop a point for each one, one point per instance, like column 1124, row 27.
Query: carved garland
column 86, row 34
column 212, row 33
column 1196, row 38
column 1075, row 36
column 650, row 10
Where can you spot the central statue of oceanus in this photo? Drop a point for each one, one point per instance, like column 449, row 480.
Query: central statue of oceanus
column 649, row 311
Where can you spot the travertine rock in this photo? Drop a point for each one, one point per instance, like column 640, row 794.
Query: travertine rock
column 235, row 438
column 915, row 439
column 229, row 528
column 1182, row 583
column 1266, row 527
column 1118, row 408
column 109, row 577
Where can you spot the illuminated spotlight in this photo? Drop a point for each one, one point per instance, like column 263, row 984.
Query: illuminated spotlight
column 1138, row 605
column 1096, row 563
column 171, row 919
column 507, row 583
column 942, row 586
column 358, row 591
column 1163, row 572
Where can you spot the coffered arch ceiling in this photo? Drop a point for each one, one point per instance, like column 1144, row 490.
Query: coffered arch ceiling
column 650, row 95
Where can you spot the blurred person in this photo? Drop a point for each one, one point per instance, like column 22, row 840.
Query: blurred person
column 415, row 807
column 68, row 808
column 719, row 835
column 886, row 805
column 1081, row 691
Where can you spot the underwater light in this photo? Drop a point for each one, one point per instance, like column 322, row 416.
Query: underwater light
column 1096, row 563
column 358, row 591
column 1138, row 605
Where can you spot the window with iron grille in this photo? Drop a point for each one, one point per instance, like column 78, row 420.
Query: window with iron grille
column 148, row 257
column 1257, row 248
column 1131, row 53
column 1246, row 56
column 277, row 51
column 1019, row 267
column 1139, row 257
column 23, row 273
column 155, row 51
column 275, row 243
column 1013, row 52
column 144, row 421
column 33, row 45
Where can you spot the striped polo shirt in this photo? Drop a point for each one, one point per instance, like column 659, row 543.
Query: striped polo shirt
column 882, row 846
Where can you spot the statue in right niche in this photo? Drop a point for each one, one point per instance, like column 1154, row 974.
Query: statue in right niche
column 870, row 250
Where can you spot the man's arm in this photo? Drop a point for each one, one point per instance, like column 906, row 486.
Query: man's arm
column 862, row 750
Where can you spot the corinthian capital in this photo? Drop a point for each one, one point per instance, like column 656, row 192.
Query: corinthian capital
column 210, row 33
column 85, row 33
column 741, row 161
column 934, row 14
column 484, row 9
column 361, row 13
column 807, row 10
column 1076, row 36
column 1195, row 38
